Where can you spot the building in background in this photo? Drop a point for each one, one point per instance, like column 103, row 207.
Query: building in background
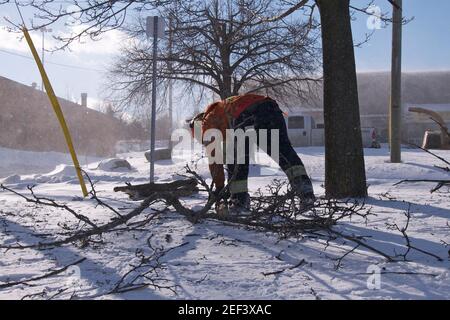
column 28, row 122
column 420, row 89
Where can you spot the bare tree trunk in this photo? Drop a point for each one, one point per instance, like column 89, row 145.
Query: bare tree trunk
column 225, row 53
column 344, row 156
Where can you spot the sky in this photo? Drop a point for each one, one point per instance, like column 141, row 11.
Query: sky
column 426, row 44
column 83, row 68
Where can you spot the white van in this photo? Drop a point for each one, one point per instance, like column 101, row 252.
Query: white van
column 304, row 132
column 299, row 129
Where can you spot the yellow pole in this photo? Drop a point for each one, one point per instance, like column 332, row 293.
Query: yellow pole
column 57, row 109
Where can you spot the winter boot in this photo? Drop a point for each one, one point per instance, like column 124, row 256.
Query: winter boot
column 302, row 186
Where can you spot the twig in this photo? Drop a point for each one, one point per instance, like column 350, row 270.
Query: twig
column 298, row 265
column 440, row 183
column 339, row 260
column 409, row 245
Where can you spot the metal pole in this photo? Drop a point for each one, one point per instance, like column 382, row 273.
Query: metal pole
column 170, row 83
column 395, row 112
column 153, row 116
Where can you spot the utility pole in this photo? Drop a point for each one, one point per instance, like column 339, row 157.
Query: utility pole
column 44, row 30
column 395, row 110
column 170, row 82
column 155, row 28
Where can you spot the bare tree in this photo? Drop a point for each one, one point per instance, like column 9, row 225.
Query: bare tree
column 223, row 47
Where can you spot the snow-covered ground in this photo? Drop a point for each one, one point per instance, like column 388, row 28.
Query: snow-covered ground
column 211, row 260
column 28, row 162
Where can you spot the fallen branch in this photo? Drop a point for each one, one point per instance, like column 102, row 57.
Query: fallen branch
column 49, row 203
column 409, row 245
column 279, row 212
column 440, row 183
column 361, row 243
column 47, row 275
column 81, row 235
column 180, row 188
column 298, row 265
column 145, row 273
column 169, row 197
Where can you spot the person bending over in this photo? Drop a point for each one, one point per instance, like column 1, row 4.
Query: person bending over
column 256, row 112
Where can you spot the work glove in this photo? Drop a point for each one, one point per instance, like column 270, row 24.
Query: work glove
column 221, row 204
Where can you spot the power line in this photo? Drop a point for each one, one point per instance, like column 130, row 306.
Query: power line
column 50, row 62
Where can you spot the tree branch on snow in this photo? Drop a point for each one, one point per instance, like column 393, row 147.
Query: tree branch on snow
column 440, row 183
column 145, row 272
column 167, row 197
column 49, row 203
column 45, row 294
column 340, row 259
column 279, row 212
column 44, row 276
column 409, row 245
column 298, row 265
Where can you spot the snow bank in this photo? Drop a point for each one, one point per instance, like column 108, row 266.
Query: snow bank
column 114, row 165
column 11, row 179
column 19, row 162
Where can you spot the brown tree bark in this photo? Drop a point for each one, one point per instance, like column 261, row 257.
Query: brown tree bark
column 344, row 155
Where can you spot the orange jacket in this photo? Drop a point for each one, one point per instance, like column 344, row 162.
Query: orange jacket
column 220, row 115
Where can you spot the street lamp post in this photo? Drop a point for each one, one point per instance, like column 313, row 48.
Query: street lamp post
column 155, row 28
